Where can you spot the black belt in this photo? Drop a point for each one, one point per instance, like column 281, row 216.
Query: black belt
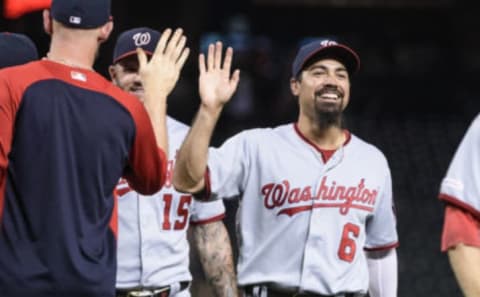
column 149, row 291
column 276, row 292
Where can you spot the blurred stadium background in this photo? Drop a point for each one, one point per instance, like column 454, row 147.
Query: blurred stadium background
column 414, row 97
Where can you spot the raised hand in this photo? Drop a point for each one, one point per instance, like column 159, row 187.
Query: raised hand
column 216, row 84
column 163, row 69
column 159, row 76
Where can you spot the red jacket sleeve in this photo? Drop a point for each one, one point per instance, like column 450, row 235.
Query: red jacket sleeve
column 8, row 108
column 147, row 168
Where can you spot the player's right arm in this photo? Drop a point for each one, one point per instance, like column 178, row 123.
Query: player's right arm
column 216, row 86
column 159, row 76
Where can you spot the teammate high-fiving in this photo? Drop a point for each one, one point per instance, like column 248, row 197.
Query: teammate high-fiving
column 316, row 213
column 217, row 85
column 153, row 250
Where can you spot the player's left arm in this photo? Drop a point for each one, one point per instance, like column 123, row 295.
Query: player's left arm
column 383, row 273
column 382, row 239
column 215, row 252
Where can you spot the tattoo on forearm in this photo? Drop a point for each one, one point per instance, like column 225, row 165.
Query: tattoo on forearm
column 215, row 252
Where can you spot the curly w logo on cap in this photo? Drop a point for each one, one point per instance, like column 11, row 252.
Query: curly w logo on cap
column 128, row 41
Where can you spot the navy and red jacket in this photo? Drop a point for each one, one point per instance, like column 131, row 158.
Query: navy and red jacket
column 67, row 135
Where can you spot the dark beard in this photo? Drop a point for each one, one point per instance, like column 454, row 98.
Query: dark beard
column 327, row 119
column 328, row 116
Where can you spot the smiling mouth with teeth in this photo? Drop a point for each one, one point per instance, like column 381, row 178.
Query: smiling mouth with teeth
column 330, row 94
column 329, row 97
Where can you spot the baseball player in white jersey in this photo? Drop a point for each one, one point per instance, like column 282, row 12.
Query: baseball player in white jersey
column 316, row 213
column 460, row 190
column 153, row 250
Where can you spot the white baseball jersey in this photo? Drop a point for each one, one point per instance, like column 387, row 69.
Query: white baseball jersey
column 153, row 249
column 303, row 222
column 460, row 185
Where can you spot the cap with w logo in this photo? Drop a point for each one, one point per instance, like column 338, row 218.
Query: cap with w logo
column 325, row 48
column 128, row 41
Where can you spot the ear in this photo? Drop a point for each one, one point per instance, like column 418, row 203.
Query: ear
column 47, row 21
column 105, row 31
column 294, row 86
column 113, row 73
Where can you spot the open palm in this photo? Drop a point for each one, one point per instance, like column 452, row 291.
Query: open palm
column 216, row 85
column 163, row 69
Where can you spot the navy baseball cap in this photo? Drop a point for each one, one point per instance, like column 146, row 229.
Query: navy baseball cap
column 129, row 40
column 16, row 49
column 326, row 48
column 81, row 14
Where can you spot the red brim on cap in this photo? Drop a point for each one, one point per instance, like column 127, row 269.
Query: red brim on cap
column 128, row 54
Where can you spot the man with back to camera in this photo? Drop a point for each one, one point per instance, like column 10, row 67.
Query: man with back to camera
column 153, row 258
column 316, row 212
column 67, row 135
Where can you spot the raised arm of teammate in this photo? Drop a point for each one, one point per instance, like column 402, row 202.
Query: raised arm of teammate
column 216, row 87
column 167, row 61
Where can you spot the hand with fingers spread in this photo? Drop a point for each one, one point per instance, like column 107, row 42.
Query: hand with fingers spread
column 216, row 84
column 161, row 73
column 159, row 76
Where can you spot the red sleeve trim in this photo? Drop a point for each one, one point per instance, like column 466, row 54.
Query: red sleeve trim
column 153, row 177
column 383, row 248
column 210, row 220
column 460, row 226
column 460, row 204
